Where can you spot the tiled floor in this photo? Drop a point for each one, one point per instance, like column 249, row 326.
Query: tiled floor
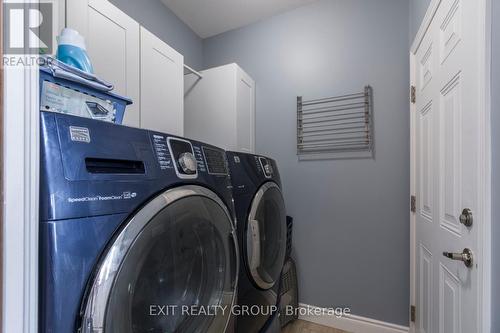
column 300, row 326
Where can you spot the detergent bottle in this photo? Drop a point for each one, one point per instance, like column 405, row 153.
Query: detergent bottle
column 71, row 50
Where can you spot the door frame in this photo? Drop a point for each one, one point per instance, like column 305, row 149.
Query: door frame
column 20, row 141
column 484, row 186
column 1, row 167
column 21, row 165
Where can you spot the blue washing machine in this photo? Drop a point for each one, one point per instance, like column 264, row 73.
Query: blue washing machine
column 261, row 228
column 136, row 230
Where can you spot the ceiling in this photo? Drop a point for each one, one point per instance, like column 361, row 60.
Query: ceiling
column 211, row 17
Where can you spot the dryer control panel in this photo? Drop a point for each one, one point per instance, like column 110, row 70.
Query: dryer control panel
column 266, row 166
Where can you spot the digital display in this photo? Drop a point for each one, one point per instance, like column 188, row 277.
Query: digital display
column 97, row 110
column 216, row 161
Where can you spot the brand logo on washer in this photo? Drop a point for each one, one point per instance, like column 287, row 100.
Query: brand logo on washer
column 79, row 134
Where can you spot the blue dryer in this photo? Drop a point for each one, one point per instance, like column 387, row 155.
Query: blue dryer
column 261, row 228
column 136, row 230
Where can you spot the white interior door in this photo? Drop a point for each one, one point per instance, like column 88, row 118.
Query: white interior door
column 112, row 40
column 447, row 141
column 162, row 86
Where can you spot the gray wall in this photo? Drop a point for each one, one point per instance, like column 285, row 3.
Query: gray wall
column 495, row 130
column 351, row 231
column 157, row 18
column 417, row 13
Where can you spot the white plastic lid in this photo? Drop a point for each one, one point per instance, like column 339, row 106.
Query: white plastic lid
column 70, row 36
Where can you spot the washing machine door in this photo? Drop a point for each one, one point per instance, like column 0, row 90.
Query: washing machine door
column 266, row 236
column 172, row 268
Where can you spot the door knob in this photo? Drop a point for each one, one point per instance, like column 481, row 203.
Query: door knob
column 465, row 256
column 466, row 217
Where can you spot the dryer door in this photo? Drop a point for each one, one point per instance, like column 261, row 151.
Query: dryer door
column 266, row 236
column 172, row 268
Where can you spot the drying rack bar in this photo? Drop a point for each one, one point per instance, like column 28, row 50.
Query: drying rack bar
column 340, row 136
column 359, row 144
column 337, row 118
column 332, row 99
column 343, row 107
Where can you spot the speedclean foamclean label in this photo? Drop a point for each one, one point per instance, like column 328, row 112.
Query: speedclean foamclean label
column 121, row 196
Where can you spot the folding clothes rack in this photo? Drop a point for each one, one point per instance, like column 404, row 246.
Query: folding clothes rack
column 335, row 126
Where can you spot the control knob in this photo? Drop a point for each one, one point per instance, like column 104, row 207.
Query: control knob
column 187, row 162
column 268, row 169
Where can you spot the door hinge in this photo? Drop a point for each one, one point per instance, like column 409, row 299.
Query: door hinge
column 413, row 204
column 413, row 94
column 413, row 313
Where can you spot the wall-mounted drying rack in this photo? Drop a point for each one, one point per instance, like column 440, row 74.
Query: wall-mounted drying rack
column 192, row 71
column 335, row 127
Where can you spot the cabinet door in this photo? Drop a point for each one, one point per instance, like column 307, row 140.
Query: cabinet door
column 112, row 40
column 210, row 107
column 162, row 89
column 245, row 118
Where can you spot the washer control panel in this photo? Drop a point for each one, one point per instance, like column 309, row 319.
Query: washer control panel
column 215, row 160
column 198, row 155
column 162, row 151
column 188, row 159
column 183, row 157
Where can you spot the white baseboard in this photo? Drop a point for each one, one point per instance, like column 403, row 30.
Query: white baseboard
column 349, row 323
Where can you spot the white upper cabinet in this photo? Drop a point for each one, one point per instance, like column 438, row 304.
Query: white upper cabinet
column 162, row 89
column 112, row 40
column 140, row 65
column 220, row 108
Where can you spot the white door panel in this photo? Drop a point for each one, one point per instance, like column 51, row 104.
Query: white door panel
column 245, row 115
column 210, row 107
column 447, row 171
column 162, row 89
column 220, row 108
column 112, row 40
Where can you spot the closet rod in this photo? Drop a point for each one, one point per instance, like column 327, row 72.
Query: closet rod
column 198, row 74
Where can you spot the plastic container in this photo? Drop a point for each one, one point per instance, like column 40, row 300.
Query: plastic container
column 119, row 102
column 71, row 50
